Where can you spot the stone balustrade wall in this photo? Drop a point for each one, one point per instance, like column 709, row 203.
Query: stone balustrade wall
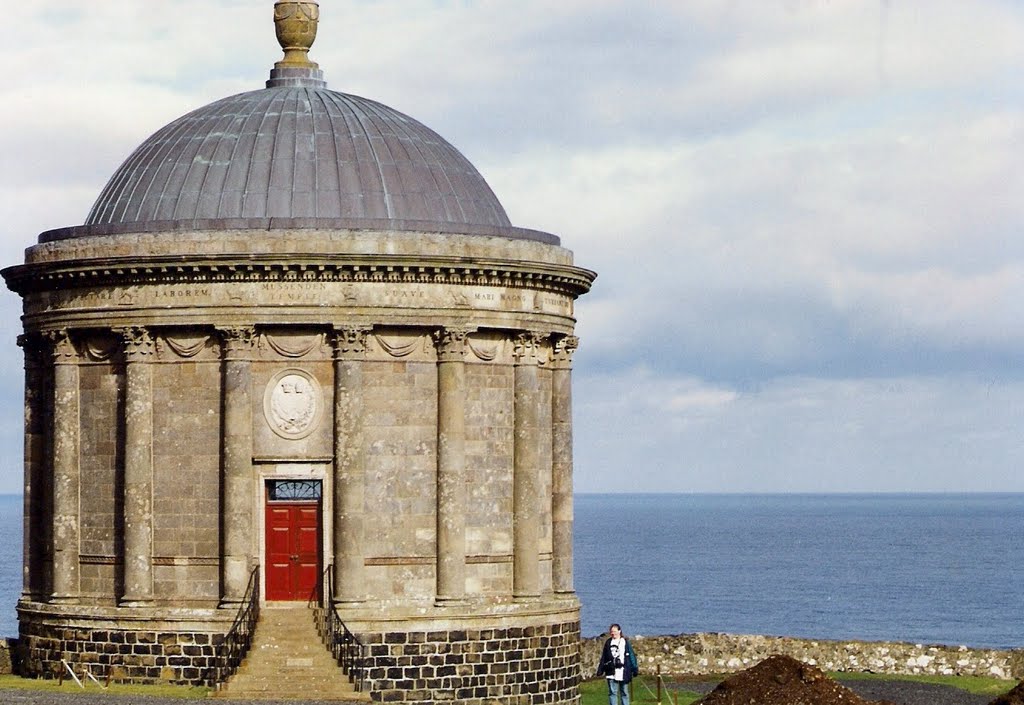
column 712, row 653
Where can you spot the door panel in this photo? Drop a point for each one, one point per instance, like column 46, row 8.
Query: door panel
column 292, row 549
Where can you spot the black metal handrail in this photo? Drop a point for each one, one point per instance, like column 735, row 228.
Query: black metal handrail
column 344, row 646
column 239, row 638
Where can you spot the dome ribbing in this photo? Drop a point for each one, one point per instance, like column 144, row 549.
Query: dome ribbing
column 297, row 153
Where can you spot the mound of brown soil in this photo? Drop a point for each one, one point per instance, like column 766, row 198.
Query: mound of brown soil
column 782, row 680
column 1014, row 697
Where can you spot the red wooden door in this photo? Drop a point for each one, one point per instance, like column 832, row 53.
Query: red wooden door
column 293, row 550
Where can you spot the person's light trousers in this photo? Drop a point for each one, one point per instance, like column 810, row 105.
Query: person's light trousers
column 617, row 689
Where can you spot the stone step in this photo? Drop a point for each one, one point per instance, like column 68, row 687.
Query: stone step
column 288, row 661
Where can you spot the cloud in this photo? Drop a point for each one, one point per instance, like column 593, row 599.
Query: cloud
column 797, row 434
column 794, row 207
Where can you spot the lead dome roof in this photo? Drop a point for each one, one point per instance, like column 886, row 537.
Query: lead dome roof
column 297, row 152
column 297, row 155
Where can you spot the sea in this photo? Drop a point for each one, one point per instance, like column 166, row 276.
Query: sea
column 922, row 568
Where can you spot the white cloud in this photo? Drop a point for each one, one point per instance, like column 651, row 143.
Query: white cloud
column 799, row 435
column 787, row 203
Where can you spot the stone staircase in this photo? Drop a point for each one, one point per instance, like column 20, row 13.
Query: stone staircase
column 288, row 661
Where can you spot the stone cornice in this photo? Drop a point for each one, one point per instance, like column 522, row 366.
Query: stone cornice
column 48, row 276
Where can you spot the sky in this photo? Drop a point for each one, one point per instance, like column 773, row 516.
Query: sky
column 806, row 215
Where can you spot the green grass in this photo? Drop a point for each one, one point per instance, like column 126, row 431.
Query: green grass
column 595, row 692
column 69, row 686
column 978, row 685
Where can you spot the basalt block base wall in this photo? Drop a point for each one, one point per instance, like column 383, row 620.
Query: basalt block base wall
column 508, row 665
column 127, row 652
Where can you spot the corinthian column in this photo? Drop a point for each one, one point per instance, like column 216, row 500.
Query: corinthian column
column 561, row 464
column 138, row 466
column 66, row 469
column 236, row 517
column 450, row 561
column 33, row 536
column 349, row 463
column 526, row 469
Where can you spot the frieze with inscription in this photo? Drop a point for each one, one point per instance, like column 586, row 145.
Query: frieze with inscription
column 299, row 293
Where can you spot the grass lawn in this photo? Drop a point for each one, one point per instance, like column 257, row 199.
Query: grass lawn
column 595, row 691
column 69, row 686
column 972, row 684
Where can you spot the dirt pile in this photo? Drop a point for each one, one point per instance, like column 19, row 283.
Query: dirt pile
column 782, row 680
column 1014, row 697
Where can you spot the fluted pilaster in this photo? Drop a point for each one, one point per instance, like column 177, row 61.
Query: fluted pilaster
column 349, row 461
column 34, row 549
column 561, row 464
column 450, row 568
column 66, row 578
column 526, row 468
column 238, row 484
column 138, row 466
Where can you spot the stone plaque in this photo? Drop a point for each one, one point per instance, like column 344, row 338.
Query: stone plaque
column 293, row 404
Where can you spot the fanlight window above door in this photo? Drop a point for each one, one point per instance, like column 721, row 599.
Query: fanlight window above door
column 292, row 490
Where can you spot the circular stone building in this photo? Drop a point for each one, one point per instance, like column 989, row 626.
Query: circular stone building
column 298, row 352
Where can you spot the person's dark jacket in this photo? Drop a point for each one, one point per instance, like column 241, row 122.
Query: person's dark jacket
column 606, row 666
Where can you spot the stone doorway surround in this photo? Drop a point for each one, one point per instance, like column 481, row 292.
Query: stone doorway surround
column 297, row 470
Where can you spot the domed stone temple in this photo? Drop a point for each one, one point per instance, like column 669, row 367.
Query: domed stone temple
column 297, row 354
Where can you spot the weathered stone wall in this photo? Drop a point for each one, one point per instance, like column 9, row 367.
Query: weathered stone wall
column 711, row 653
column 489, row 441
column 186, row 484
column 101, row 390
column 401, row 457
column 511, row 665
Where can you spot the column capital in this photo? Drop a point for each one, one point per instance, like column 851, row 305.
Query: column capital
column 33, row 345
column 526, row 348
column 63, row 349
column 451, row 343
column 562, row 349
column 237, row 341
column 350, row 342
column 28, row 341
column 139, row 345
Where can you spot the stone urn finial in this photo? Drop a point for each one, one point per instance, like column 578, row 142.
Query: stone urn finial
column 295, row 26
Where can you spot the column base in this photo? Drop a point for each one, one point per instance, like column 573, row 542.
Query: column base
column 443, row 601
column 128, row 601
column 526, row 597
column 64, row 599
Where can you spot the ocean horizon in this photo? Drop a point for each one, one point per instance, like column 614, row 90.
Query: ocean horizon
column 934, row 568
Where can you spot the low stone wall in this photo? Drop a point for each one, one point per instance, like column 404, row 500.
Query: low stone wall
column 6, row 647
column 712, row 653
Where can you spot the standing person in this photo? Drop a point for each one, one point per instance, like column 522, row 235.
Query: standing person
column 618, row 665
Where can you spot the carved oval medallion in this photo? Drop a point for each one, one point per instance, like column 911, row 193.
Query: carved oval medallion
column 293, row 404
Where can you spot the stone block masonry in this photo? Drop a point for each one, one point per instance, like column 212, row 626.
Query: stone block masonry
column 162, row 651
column 511, row 665
column 712, row 653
